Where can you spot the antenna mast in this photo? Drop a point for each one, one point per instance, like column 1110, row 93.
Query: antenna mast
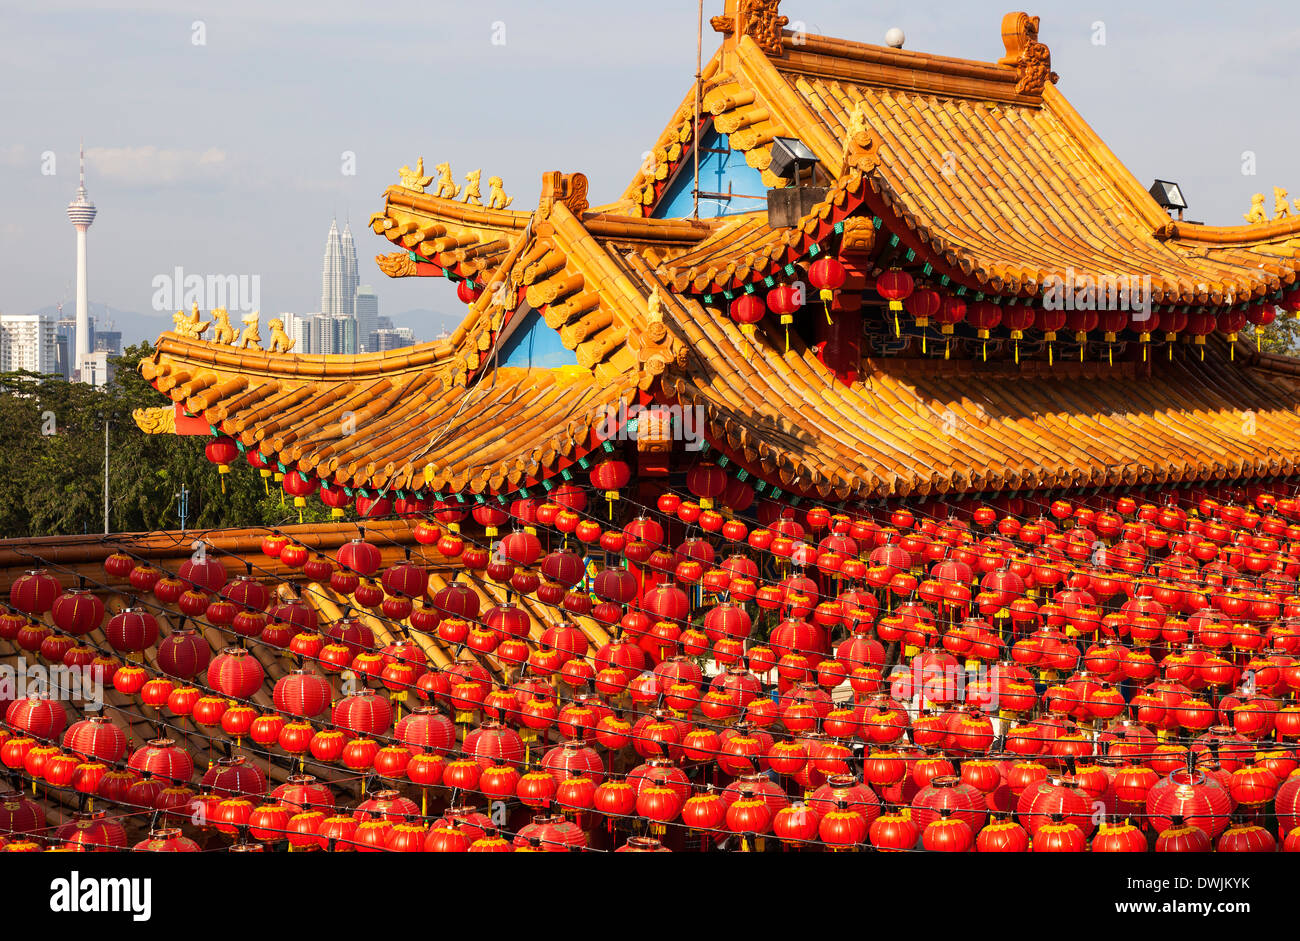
column 699, row 81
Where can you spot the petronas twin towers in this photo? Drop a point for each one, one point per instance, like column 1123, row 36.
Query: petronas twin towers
column 339, row 279
column 336, row 328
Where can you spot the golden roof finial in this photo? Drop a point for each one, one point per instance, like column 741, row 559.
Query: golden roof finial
column 1257, row 213
column 447, row 186
column 222, row 332
column 759, row 19
column 473, row 195
column 654, row 307
column 192, row 325
column 1024, row 53
column 415, row 179
column 497, row 198
column 250, row 339
column 1281, row 207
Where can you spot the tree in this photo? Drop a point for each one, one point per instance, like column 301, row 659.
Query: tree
column 1281, row 336
column 52, row 463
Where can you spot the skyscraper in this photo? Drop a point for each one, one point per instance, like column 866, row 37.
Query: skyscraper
column 108, row 341
column 81, row 212
column 367, row 309
column 350, row 275
column 339, row 275
column 29, row 343
column 299, row 330
column 65, row 340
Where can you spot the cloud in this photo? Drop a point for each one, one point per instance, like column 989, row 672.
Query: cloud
column 157, row 166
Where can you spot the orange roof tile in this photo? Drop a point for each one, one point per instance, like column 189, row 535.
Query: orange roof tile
column 934, row 427
column 399, row 419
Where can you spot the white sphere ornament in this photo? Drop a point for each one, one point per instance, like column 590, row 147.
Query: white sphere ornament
column 895, row 38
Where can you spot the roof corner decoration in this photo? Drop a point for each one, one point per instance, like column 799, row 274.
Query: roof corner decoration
column 1031, row 59
column 861, row 144
column 761, row 20
column 567, row 188
column 414, row 179
column 396, row 264
column 155, row 421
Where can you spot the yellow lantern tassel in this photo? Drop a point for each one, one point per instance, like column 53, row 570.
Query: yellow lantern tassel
column 827, row 307
column 1110, row 355
column 946, row 345
column 986, row 351
column 1051, row 355
column 1017, row 352
column 898, row 331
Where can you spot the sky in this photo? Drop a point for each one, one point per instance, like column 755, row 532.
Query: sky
column 219, row 133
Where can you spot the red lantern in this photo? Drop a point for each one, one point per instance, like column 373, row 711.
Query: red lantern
column 747, row 310
column 467, row 292
column 223, row 452
column 77, row 612
column 34, row 592
column 895, row 286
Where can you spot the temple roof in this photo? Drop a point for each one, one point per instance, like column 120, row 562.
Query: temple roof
column 979, row 171
column 932, row 427
column 395, row 419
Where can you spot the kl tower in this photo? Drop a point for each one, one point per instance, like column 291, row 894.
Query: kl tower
column 81, row 212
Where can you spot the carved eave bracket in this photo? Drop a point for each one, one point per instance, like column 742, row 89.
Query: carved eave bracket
column 761, row 20
column 1031, row 59
column 396, row 264
column 156, row 421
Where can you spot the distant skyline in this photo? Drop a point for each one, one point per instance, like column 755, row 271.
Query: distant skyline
column 217, row 142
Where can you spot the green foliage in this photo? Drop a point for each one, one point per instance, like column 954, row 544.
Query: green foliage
column 52, row 463
column 1281, row 336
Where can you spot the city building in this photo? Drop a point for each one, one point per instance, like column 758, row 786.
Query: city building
column 343, row 335
column 30, row 343
column 108, row 341
column 367, row 312
column 351, row 276
column 333, row 335
column 392, row 339
column 299, row 330
column 97, row 369
column 82, row 212
column 65, row 338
